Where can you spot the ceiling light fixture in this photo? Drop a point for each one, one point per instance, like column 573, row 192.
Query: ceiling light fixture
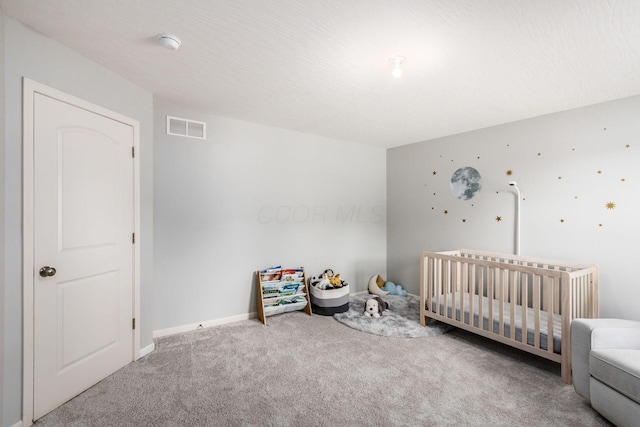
column 397, row 61
column 169, row 41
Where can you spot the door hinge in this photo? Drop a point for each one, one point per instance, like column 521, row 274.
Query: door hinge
column 133, row 152
column 133, row 323
column 133, row 238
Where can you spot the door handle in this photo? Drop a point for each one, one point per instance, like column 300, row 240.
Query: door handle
column 47, row 271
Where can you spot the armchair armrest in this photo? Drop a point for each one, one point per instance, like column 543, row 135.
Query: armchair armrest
column 588, row 334
column 616, row 337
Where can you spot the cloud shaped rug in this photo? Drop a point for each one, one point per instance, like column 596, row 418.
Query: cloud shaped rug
column 400, row 320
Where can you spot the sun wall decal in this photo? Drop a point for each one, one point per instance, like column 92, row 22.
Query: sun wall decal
column 498, row 218
column 610, row 205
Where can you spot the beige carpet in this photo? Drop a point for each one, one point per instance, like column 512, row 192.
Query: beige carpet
column 302, row 370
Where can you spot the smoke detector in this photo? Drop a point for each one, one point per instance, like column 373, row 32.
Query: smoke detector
column 169, row 41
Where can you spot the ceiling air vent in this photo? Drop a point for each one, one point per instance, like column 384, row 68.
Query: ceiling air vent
column 184, row 127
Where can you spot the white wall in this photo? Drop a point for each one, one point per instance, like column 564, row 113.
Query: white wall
column 568, row 166
column 250, row 197
column 37, row 57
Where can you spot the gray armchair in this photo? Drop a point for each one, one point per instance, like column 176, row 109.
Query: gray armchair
column 605, row 360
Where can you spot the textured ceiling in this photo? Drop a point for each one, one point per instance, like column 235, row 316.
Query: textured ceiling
column 322, row 66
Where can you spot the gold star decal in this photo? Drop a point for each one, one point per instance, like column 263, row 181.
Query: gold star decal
column 599, row 172
column 509, row 172
column 498, row 218
column 599, row 225
column 627, row 146
column 434, row 172
column 562, row 220
column 622, row 179
column 539, row 154
column 464, row 220
column 610, row 205
column 446, row 212
column 559, row 177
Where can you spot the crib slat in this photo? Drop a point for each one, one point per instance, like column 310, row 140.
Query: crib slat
column 463, row 279
column 424, row 296
column 490, row 284
column 501, row 297
column 447, row 287
column 525, row 303
column 556, row 294
column 550, row 285
column 472, row 292
column 512, row 303
column 536, row 311
column 454, row 285
column 566, row 285
column 438, row 279
column 482, row 271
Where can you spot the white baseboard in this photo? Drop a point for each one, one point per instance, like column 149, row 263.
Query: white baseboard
column 18, row 424
column 206, row 324
column 148, row 349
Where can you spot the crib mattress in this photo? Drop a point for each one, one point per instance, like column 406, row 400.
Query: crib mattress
column 557, row 319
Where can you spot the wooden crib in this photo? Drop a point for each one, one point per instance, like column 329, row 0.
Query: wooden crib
column 524, row 302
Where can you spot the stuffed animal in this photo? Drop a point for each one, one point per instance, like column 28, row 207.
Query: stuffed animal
column 374, row 307
column 336, row 281
column 320, row 282
column 328, row 280
column 394, row 289
column 374, row 286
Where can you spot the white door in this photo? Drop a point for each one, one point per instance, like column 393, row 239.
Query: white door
column 83, row 250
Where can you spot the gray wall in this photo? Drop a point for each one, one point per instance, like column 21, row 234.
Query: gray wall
column 2, row 144
column 32, row 55
column 568, row 166
column 250, row 197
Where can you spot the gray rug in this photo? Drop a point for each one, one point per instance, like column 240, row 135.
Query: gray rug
column 401, row 320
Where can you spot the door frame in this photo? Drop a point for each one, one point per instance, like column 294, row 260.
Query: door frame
column 30, row 88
